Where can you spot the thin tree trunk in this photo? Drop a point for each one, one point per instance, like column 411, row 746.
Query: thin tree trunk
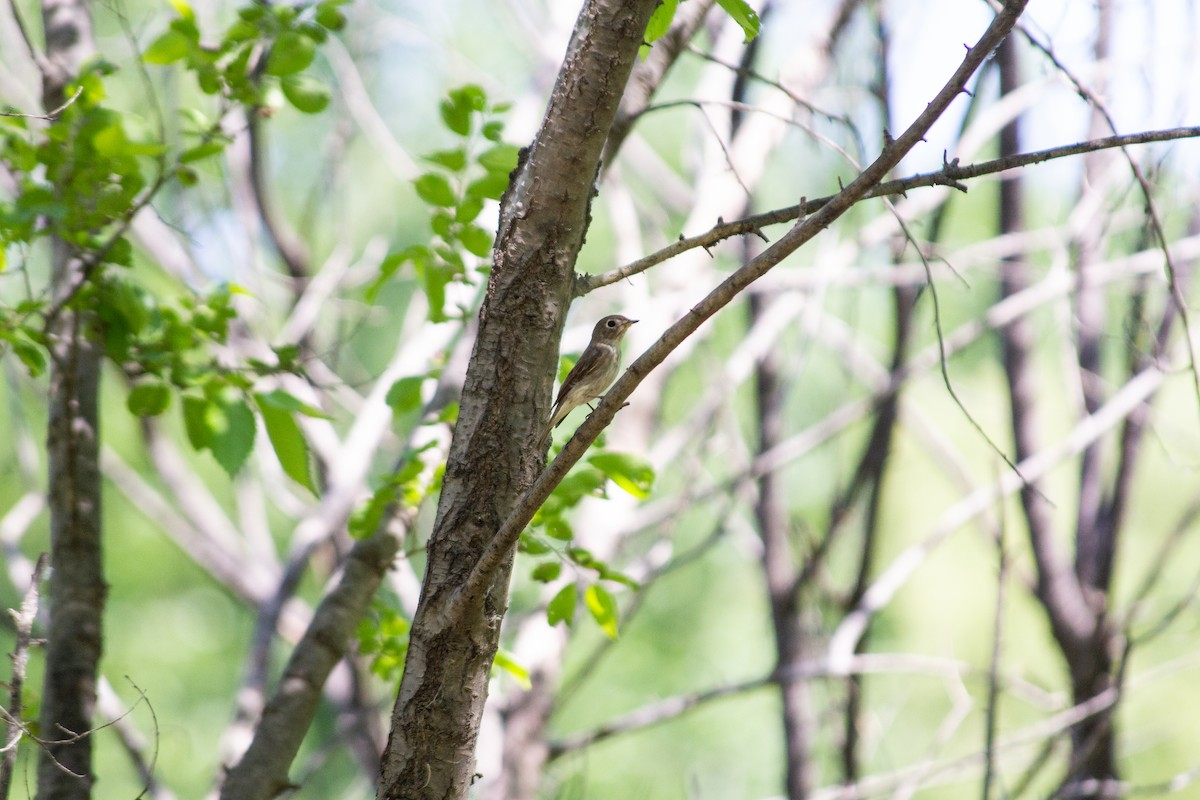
column 782, row 574
column 1078, row 624
column 77, row 588
column 493, row 457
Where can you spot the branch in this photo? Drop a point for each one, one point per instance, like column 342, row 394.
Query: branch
column 502, row 543
column 952, row 175
column 1088, row 430
column 263, row 771
column 23, row 619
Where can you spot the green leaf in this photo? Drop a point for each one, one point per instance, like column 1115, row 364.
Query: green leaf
column 288, row 441
column 609, row 574
column 286, row 401
column 184, row 9
column 559, row 528
column 171, row 46
column 505, row 662
column 120, row 252
column 443, row 225
column 453, row 160
column 128, row 301
column 603, row 608
column 561, row 607
column 405, row 394
column 582, row 556
column 491, row 186
column 477, row 241
column 743, row 15
column 631, row 473
column 291, row 53
column 149, row 399
column 660, row 20
column 546, row 571
column 366, row 518
column 231, row 423
column 468, row 209
column 457, row 108
column 31, row 355
column 579, row 483
column 330, row 17
column 435, row 190
column 492, row 131
column 435, row 279
column 202, row 151
column 528, row 543
column 499, row 158
column 195, row 421
column 305, row 93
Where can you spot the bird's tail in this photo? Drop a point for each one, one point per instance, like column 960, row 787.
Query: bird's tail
column 556, row 416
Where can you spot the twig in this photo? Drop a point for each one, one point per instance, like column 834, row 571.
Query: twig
column 23, row 619
column 992, row 711
column 952, row 175
column 49, row 116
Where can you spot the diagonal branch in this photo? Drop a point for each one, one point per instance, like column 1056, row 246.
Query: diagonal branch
column 502, row 543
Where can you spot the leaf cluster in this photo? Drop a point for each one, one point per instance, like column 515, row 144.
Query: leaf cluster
column 268, row 47
column 456, row 187
column 550, row 535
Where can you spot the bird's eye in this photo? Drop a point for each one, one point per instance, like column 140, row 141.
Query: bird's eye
column 612, row 323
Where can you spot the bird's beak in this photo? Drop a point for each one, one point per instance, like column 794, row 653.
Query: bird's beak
column 630, row 322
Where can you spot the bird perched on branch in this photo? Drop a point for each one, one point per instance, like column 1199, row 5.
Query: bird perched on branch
column 593, row 373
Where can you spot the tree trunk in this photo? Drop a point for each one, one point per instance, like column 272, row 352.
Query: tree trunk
column 493, row 457
column 77, row 588
column 1076, row 615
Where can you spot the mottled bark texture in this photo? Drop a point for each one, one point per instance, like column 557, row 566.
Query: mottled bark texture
column 493, row 458
column 77, row 589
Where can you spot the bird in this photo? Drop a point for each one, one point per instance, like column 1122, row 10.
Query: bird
column 593, row 373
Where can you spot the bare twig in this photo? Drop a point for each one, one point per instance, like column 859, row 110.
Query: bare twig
column 952, row 174
column 23, row 619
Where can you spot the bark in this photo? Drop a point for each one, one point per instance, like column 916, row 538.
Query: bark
column 493, row 458
column 77, row 588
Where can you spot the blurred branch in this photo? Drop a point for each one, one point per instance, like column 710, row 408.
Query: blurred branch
column 263, row 771
column 291, row 249
column 1086, row 431
column 952, row 175
column 649, row 73
column 23, row 618
column 1153, row 217
column 948, row 670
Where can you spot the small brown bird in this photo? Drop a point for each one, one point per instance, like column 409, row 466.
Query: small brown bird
column 593, row 373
